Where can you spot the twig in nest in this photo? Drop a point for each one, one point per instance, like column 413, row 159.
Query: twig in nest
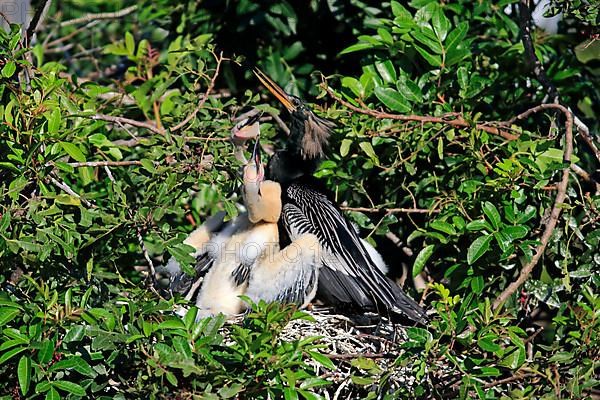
column 209, row 89
column 558, row 201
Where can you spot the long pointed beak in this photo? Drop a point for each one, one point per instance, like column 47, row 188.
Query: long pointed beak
column 275, row 89
column 256, row 152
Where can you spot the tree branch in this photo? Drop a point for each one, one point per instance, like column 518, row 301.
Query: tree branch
column 132, row 122
column 558, row 201
column 94, row 17
column 391, row 210
column 104, row 163
column 455, row 120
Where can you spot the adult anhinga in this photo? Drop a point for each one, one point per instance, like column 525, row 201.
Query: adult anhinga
column 348, row 275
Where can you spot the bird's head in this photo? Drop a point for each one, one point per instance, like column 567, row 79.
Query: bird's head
column 309, row 134
column 246, row 129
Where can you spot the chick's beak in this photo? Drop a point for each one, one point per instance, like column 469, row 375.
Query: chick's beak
column 275, row 89
column 256, row 154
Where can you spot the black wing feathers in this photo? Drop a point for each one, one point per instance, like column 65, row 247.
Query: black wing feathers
column 348, row 275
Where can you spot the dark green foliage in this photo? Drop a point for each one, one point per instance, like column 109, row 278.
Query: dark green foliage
column 76, row 317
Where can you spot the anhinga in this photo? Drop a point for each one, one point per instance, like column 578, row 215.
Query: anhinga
column 243, row 257
column 348, row 275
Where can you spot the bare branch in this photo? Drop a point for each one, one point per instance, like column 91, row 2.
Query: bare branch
column 558, row 202
column 68, row 190
column 104, row 163
column 132, row 122
column 93, row 17
column 391, row 210
column 454, row 119
column 584, row 132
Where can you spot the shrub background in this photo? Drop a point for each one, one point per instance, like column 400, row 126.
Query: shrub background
column 113, row 146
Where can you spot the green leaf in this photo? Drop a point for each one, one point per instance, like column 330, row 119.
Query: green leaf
column 386, row 70
column 487, row 343
column 385, row 36
column 478, row 248
column 172, row 324
column 392, row 99
column 9, row 69
column 10, row 354
column 73, row 151
column 443, row 226
column 515, row 232
column 356, row 47
column 492, row 214
column 477, row 284
column 354, row 85
column 368, row 149
column 323, row 360
column 52, row 394
column 432, row 59
column 426, row 37
column 46, row 351
column 24, row 374
column 74, row 334
column 345, row 147
column 7, row 314
column 479, row 225
column 409, row 89
column 54, row 122
column 129, row 43
column 440, row 23
column 70, row 387
column 148, row 165
column 422, row 258
column 456, row 36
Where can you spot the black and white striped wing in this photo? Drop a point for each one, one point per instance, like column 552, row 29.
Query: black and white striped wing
column 348, row 275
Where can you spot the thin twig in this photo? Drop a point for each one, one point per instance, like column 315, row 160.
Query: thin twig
column 352, row 356
column 391, row 210
column 454, row 119
column 68, row 190
column 510, row 379
column 210, row 87
column 584, row 132
column 151, row 277
column 104, row 163
column 128, row 121
column 105, row 15
column 558, row 201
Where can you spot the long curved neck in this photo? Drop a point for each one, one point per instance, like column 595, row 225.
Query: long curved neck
column 288, row 165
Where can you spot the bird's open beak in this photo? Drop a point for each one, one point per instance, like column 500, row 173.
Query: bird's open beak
column 247, row 129
column 275, row 89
